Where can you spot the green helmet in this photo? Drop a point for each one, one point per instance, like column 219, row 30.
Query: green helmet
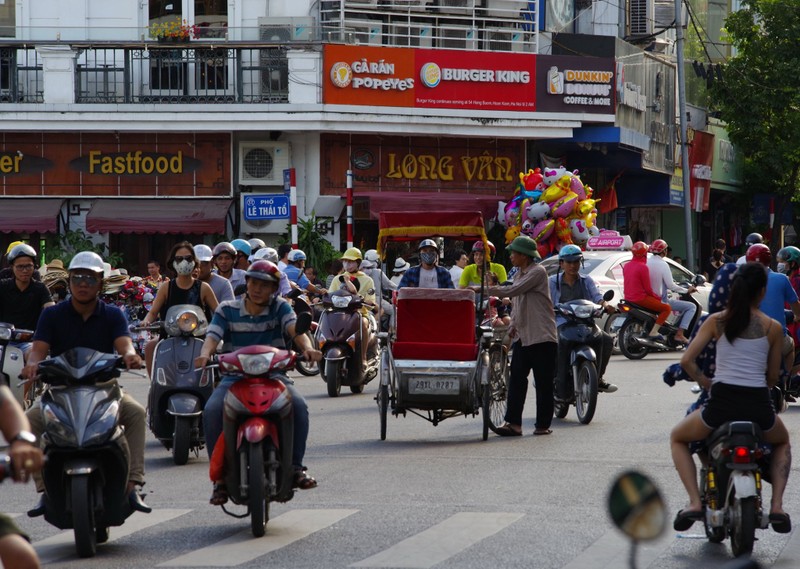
column 789, row 254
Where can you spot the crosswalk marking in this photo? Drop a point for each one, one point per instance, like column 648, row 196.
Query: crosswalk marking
column 612, row 549
column 243, row 547
column 441, row 541
column 62, row 544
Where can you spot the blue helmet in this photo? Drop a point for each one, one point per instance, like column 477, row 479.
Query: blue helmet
column 570, row 253
column 242, row 246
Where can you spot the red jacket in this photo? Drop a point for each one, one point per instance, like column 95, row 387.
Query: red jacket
column 636, row 280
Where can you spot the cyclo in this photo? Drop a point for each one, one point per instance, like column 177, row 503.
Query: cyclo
column 436, row 360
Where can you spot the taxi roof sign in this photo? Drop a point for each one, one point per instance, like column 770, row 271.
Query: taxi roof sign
column 609, row 241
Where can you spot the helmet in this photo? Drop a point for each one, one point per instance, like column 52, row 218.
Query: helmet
column 427, row 243
column 224, row 247
column 639, row 249
column 203, row 252
column 658, row 246
column 789, row 254
column 256, row 244
column 296, row 255
column 264, row 271
column 478, row 246
column 88, row 260
column 266, row 253
column 759, row 253
column 21, row 250
column 12, row 245
column 753, row 238
column 352, row 254
column 570, row 253
column 371, row 255
column 242, row 246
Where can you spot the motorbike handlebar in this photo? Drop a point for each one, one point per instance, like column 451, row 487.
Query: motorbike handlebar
column 148, row 328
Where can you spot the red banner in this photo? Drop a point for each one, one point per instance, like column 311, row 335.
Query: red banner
column 701, row 157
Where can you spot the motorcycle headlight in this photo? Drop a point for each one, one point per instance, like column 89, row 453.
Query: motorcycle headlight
column 187, row 322
column 256, row 364
column 341, row 301
column 5, row 333
column 57, row 429
column 584, row 311
column 102, row 424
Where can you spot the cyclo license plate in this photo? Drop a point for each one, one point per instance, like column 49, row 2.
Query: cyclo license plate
column 439, row 385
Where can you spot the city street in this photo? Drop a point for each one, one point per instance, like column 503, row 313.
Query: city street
column 431, row 496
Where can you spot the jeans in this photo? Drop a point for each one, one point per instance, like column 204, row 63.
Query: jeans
column 213, row 416
column 686, row 310
column 541, row 358
column 603, row 345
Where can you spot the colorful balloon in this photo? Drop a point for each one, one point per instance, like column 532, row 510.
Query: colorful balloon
column 585, row 207
column 550, row 175
column 531, row 179
column 511, row 234
column 564, row 206
column 543, row 230
column 538, row 211
column 576, row 186
column 579, row 230
column 563, row 231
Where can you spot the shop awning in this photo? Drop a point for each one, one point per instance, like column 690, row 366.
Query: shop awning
column 29, row 215
column 431, row 201
column 158, row 216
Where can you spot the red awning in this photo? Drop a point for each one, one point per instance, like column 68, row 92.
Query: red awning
column 29, row 215
column 158, row 216
column 429, row 201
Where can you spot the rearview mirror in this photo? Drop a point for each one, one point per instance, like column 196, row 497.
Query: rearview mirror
column 636, row 506
column 608, row 295
column 699, row 280
column 302, row 324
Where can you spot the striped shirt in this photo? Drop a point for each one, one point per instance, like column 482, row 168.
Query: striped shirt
column 238, row 328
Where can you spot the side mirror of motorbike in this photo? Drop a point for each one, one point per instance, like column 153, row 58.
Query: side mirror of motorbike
column 637, row 507
column 240, row 290
column 303, row 323
column 699, row 280
column 608, row 295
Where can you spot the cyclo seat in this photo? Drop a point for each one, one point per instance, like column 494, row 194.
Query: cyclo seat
column 733, row 430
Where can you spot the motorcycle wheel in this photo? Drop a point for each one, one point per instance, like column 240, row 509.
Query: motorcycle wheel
column 495, row 393
column 333, row 378
column 743, row 533
column 586, row 397
column 308, row 369
column 383, row 408
column 83, row 516
column 256, row 490
column 610, row 327
column 629, row 347
column 181, row 440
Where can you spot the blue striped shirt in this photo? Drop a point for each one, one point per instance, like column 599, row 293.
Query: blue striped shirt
column 238, row 328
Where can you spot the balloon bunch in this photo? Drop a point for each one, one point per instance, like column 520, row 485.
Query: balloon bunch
column 554, row 207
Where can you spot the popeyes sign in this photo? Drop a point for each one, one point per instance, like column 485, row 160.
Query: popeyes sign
column 424, row 78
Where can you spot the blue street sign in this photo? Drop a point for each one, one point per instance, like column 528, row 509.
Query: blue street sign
column 268, row 206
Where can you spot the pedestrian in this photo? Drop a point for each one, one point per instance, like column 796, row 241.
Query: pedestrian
column 154, row 277
column 713, row 265
column 721, row 246
column 533, row 331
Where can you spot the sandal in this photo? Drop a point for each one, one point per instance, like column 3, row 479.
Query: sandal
column 220, row 495
column 303, row 481
column 543, row 432
column 506, row 430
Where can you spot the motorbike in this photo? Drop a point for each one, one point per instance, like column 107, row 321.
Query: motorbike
column 632, row 337
column 12, row 360
column 258, row 430
column 339, row 339
column 730, row 485
column 87, row 457
column 178, row 392
column 575, row 335
column 302, row 304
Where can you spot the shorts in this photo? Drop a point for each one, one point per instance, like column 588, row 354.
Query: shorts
column 9, row 527
column 735, row 403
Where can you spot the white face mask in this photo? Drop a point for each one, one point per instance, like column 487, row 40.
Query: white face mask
column 184, row 267
column 781, row 267
column 350, row 266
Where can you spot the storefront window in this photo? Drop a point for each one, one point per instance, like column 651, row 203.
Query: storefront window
column 8, row 22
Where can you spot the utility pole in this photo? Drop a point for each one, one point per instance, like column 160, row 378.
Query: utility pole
column 687, row 204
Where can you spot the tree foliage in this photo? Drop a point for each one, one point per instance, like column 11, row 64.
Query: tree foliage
column 76, row 240
column 759, row 95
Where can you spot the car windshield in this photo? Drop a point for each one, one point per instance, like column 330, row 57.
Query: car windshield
column 551, row 265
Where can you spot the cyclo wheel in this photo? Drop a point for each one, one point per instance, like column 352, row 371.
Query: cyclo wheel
column 586, row 396
column 629, row 347
column 383, row 408
column 495, row 393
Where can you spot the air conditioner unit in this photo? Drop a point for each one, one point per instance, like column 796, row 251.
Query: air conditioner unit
column 414, row 35
column 363, row 32
column 286, row 30
column 507, row 9
column 507, row 39
column 640, row 17
column 456, row 6
column 360, row 3
column 262, row 163
column 408, row 5
column 458, row 37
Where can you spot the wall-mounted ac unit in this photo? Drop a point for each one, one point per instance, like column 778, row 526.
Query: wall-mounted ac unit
column 286, row 30
column 640, row 17
column 457, row 37
column 507, row 39
column 408, row 5
column 359, row 3
column 457, row 6
column 507, row 9
column 263, row 163
column 363, row 32
column 414, row 35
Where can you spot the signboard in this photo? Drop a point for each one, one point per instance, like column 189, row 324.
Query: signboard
column 609, row 241
column 266, row 206
column 575, row 84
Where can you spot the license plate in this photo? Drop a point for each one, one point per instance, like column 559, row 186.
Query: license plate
column 433, row 386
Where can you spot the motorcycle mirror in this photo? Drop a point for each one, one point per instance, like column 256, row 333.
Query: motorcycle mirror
column 699, row 280
column 608, row 295
column 303, row 323
column 240, row 290
column 637, row 507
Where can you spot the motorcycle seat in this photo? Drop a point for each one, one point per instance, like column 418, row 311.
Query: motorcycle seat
column 735, row 428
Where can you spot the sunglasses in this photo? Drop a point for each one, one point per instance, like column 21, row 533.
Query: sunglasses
column 89, row 280
column 180, row 258
column 24, row 267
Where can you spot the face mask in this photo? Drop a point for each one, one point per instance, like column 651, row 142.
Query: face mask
column 184, row 267
column 781, row 267
column 350, row 266
column 428, row 258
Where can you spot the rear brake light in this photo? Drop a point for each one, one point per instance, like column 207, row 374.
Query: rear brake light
column 741, row 455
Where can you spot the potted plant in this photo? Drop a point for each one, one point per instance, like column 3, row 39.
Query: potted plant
column 173, row 31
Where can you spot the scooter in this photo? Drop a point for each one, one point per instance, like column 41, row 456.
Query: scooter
column 302, row 304
column 339, row 339
column 178, row 393
column 86, row 471
column 12, row 360
column 575, row 335
column 632, row 337
column 258, row 430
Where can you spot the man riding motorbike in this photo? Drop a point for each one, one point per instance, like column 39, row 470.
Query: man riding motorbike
column 260, row 318
column 371, row 267
column 294, row 272
column 243, row 252
column 637, row 288
column 84, row 321
column 473, row 274
column 750, row 240
column 571, row 285
column 661, row 281
column 428, row 274
column 224, row 259
column 358, row 283
column 220, row 285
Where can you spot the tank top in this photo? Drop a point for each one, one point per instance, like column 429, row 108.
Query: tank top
column 176, row 295
column 743, row 363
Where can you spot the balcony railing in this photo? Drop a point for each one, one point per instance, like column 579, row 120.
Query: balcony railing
column 21, row 76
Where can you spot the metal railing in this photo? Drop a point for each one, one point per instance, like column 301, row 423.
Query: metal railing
column 21, row 75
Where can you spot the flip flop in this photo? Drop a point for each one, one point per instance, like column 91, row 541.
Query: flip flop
column 781, row 523
column 684, row 520
column 219, row 496
column 539, row 432
column 506, row 431
column 303, row 481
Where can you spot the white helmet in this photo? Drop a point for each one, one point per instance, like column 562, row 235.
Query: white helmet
column 372, row 256
column 256, row 244
column 267, row 254
column 296, row 255
column 203, row 252
column 88, row 260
